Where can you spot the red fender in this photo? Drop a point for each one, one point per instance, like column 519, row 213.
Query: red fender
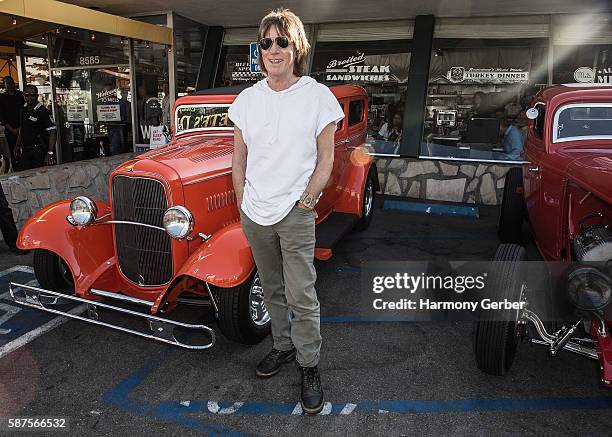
column 87, row 250
column 225, row 260
column 354, row 179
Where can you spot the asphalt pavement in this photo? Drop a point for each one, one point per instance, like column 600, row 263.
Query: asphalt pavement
column 391, row 379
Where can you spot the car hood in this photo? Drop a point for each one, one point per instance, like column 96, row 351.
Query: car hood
column 195, row 158
column 592, row 170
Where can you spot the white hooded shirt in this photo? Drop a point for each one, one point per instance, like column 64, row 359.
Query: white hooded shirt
column 280, row 129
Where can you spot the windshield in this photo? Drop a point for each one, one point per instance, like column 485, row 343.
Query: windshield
column 583, row 121
column 202, row 118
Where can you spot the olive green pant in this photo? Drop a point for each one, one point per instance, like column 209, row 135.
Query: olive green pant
column 284, row 255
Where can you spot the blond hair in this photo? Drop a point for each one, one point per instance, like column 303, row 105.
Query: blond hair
column 288, row 24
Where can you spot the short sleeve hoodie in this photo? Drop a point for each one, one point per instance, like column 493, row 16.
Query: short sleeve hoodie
column 280, row 129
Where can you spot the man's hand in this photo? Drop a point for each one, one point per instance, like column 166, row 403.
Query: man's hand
column 17, row 152
column 50, row 159
column 302, row 206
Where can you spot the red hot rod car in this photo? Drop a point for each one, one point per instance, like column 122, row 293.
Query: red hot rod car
column 171, row 233
column 565, row 189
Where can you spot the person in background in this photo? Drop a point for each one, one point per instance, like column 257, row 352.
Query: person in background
column 7, row 225
column 166, row 106
column 511, row 139
column 126, row 116
column 393, row 132
column 480, row 105
column 11, row 102
column 36, row 141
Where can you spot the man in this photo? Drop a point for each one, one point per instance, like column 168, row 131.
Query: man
column 7, row 225
column 11, row 103
column 36, row 141
column 166, row 109
column 512, row 139
column 283, row 157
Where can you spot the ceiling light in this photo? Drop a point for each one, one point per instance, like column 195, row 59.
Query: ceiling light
column 14, row 20
column 93, row 36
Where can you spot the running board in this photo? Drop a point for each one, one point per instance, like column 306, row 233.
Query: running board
column 159, row 329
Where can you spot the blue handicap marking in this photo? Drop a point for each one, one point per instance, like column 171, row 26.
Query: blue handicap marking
column 17, row 320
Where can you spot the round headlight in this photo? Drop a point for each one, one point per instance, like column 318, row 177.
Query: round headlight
column 588, row 288
column 83, row 210
column 178, row 222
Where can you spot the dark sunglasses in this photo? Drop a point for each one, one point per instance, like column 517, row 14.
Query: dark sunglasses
column 29, row 95
column 281, row 41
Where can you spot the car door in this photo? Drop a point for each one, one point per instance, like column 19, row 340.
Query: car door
column 330, row 192
column 541, row 202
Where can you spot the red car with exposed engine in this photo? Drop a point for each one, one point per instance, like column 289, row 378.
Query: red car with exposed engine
column 171, row 235
column 564, row 188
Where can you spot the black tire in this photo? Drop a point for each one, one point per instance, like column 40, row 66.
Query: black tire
column 52, row 272
column 495, row 341
column 235, row 320
column 369, row 197
column 512, row 209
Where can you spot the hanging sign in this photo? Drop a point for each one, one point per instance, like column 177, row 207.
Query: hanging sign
column 253, row 58
column 76, row 112
column 108, row 113
column 487, row 75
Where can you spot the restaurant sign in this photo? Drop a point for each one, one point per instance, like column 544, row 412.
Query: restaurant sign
column 354, row 69
column 487, row 75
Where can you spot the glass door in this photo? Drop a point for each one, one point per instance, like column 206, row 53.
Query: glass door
column 93, row 111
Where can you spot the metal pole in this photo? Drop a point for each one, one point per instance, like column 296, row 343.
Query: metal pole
column 21, row 71
column 133, row 91
column 551, row 35
column 312, row 39
column 171, row 64
column 54, row 110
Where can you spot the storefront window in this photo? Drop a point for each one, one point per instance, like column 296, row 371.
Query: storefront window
column 234, row 66
column 188, row 47
column 152, row 89
column 381, row 67
column 582, row 63
column 478, row 91
column 92, row 84
column 37, row 69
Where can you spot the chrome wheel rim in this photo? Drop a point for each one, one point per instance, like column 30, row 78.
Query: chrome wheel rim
column 368, row 198
column 257, row 306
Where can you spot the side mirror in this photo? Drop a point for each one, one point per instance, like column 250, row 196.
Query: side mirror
column 532, row 113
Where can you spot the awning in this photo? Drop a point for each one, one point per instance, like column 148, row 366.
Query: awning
column 45, row 15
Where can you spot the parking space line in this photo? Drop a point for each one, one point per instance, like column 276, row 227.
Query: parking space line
column 189, row 413
column 23, row 269
column 37, row 332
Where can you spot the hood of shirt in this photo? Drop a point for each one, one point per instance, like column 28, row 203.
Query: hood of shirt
column 273, row 101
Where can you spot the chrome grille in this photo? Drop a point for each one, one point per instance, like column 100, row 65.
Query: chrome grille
column 144, row 254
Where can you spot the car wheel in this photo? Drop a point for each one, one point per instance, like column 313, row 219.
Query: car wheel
column 511, row 217
column 243, row 316
column 497, row 334
column 52, row 272
column 369, row 195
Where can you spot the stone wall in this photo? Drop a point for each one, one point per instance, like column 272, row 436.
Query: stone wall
column 30, row 190
column 452, row 181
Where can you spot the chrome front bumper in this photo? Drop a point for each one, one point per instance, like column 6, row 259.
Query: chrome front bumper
column 159, row 329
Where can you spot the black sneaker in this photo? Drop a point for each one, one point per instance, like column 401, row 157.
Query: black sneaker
column 272, row 362
column 312, row 392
